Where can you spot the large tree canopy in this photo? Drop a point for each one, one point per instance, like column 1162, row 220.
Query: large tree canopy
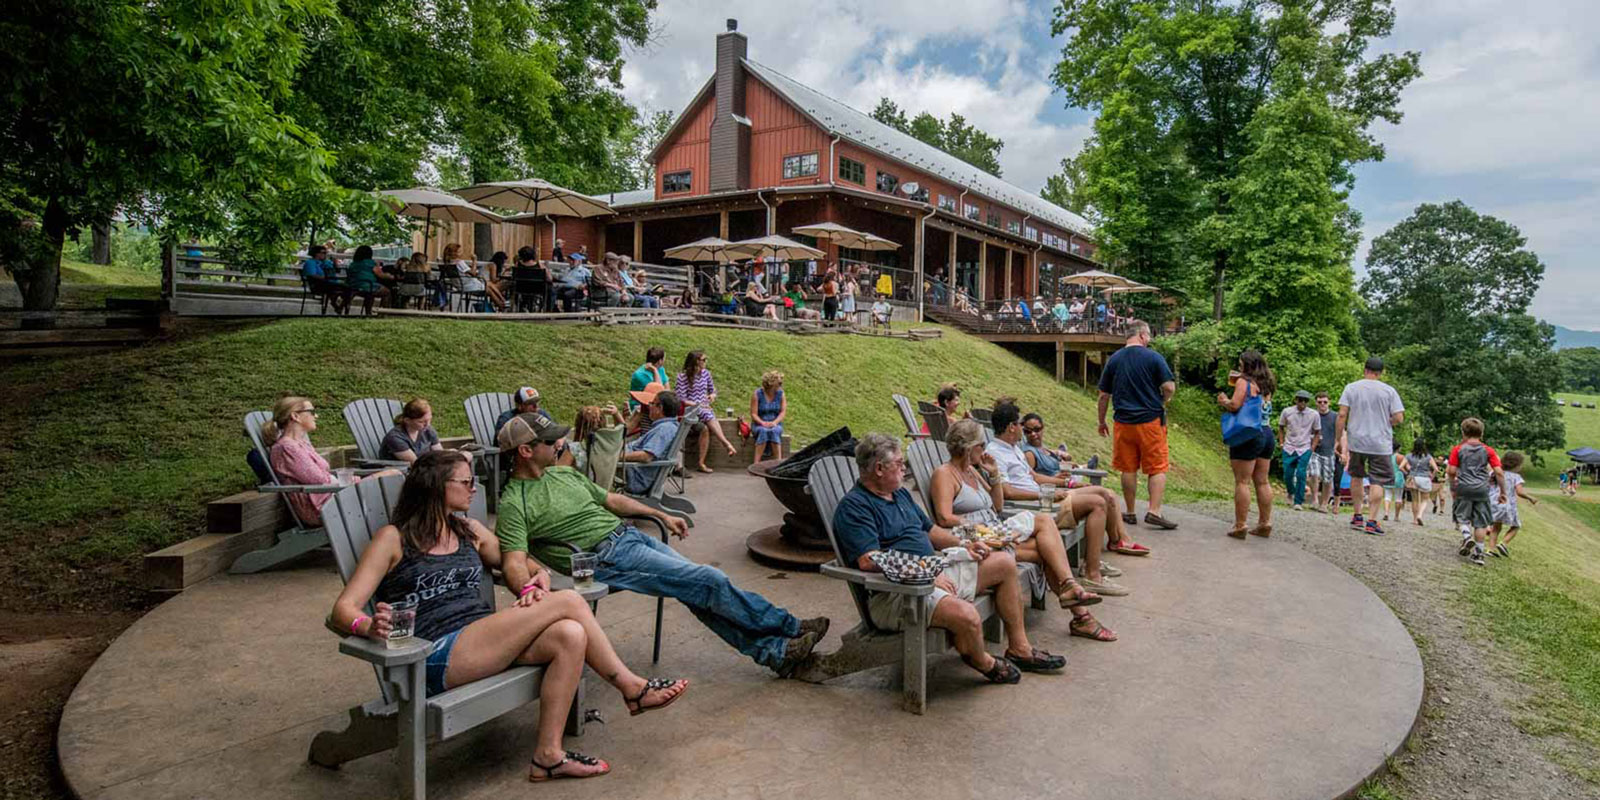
column 1223, row 146
column 955, row 136
column 1449, row 290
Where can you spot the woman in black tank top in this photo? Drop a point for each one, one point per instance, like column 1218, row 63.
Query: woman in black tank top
column 434, row 557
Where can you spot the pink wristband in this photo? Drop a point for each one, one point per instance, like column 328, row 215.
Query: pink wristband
column 355, row 627
column 527, row 587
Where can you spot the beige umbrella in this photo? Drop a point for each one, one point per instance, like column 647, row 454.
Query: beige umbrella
column 1095, row 279
column 781, row 248
column 426, row 204
column 540, row 198
column 845, row 237
column 1135, row 287
column 711, row 248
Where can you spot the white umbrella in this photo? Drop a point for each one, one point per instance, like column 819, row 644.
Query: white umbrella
column 845, row 237
column 1134, row 287
column 781, row 248
column 711, row 248
column 1096, row 279
column 426, row 204
column 540, row 198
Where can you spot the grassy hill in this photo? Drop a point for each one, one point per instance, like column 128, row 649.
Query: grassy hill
column 106, row 457
column 1583, row 430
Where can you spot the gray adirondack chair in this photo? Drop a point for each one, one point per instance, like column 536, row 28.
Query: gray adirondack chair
column 369, row 419
column 933, row 417
column 296, row 540
column 658, row 498
column 866, row 646
column 903, row 405
column 482, row 411
column 984, row 416
column 402, row 717
column 926, row 455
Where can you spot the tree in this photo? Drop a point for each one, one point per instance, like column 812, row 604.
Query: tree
column 1580, row 369
column 1179, row 85
column 1449, row 290
column 1069, row 187
column 955, row 136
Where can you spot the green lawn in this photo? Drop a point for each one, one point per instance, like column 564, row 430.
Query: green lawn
column 106, row 457
column 107, row 274
column 1583, row 430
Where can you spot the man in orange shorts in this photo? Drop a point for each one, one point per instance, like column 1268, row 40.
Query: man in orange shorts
column 1138, row 382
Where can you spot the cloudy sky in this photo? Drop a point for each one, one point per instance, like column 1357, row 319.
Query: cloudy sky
column 1504, row 118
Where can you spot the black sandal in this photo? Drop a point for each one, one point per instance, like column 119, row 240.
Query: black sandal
column 636, row 704
column 1003, row 671
column 1038, row 661
column 550, row 771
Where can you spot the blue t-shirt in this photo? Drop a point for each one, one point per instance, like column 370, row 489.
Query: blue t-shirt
column 1133, row 377
column 317, row 268
column 865, row 522
column 656, row 442
column 577, row 276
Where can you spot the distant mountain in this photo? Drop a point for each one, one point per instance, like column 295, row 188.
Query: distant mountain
column 1567, row 337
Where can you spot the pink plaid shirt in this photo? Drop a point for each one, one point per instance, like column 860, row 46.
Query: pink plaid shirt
column 296, row 461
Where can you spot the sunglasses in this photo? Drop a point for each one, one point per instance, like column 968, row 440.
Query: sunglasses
column 471, row 483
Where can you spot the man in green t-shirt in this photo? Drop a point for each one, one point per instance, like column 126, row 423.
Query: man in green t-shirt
column 653, row 370
column 546, row 510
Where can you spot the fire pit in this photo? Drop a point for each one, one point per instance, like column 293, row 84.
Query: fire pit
column 801, row 542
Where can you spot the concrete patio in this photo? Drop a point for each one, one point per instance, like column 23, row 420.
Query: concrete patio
column 1245, row 670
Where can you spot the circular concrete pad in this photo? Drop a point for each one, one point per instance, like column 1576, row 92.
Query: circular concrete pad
column 769, row 547
column 1245, row 670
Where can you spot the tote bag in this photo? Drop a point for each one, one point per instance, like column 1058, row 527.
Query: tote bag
column 1239, row 426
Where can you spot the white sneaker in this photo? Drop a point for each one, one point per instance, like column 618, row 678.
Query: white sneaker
column 1299, row 507
column 1109, row 570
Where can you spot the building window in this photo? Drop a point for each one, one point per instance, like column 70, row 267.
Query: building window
column 801, row 166
column 1032, row 233
column 994, row 218
column 920, row 195
column 971, row 211
column 947, row 203
column 1076, row 248
column 1014, row 226
column 674, row 182
column 887, row 182
column 852, row 171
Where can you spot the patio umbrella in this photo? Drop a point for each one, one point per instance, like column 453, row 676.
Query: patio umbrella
column 539, row 198
column 1135, row 287
column 1095, row 279
column 781, row 248
column 426, row 204
column 845, row 237
column 711, row 248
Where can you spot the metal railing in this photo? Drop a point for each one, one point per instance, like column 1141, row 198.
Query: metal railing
column 1079, row 315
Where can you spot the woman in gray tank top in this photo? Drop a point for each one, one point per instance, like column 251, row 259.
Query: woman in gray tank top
column 434, row 556
column 1423, row 471
column 960, row 493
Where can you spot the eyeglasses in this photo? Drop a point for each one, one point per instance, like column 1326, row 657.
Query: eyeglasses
column 471, row 483
column 1039, row 429
column 311, row 411
column 897, row 465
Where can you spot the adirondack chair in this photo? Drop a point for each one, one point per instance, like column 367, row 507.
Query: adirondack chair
column 657, row 496
column 903, row 405
column 402, row 717
column 866, row 646
column 984, row 416
column 369, row 420
column 290, row 543
column 482, row 411
column 933, row 418
column 926, row 455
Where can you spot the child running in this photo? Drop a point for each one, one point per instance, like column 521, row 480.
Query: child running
column 1505, row 506
column 1474, row 466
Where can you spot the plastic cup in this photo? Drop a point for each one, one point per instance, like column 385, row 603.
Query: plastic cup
column 583, row 565
column 403, row 622
column 345, row 475
column 1047, row 497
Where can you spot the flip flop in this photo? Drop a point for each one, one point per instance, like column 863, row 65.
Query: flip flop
column 1238, row 533
column 636, row 704
column 1261, row 530
column 550, row 771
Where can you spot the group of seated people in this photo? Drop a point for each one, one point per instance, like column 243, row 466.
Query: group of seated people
column 615, row 281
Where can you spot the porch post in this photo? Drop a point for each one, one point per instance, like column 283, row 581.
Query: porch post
column 983, row 272
column 638, row 240
column 722, row 224
column 1061, row 361
column 916, row 255
column 1007, row 283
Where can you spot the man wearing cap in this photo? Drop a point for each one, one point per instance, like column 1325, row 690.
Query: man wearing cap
column 1369, row 410
column 547, row 511
column 1297, row 425
column 662, row 409
column 524, row 401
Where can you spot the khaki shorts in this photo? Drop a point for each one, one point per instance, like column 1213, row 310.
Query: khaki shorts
column 888, row 610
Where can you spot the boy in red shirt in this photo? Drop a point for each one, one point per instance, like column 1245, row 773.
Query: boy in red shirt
column 1473, row 467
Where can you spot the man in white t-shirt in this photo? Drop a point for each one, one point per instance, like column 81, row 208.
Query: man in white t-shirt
column 1369, row 410
column 1296, row 425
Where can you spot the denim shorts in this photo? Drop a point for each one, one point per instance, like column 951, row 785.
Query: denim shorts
column 439, row 661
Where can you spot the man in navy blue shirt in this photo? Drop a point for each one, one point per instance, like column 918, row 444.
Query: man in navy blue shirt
column 1138, row 382
column 879, row 514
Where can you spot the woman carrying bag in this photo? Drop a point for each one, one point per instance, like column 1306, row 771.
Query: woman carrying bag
column 1250, row 441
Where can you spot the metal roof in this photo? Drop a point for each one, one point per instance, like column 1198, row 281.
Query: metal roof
column 630, row 198
column 863, row 130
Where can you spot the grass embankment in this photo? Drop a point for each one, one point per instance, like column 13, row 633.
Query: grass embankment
column 106, row 457
column 85, row 287
column 1583, row 430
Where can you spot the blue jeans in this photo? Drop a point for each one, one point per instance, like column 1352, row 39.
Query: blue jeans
column 753, row 625
column 1294, row 474
column 646, row 301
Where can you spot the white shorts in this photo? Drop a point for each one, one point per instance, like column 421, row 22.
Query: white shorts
column 888, row 609
column 1506, row 515
column 1392, row 493
column 1321, row 467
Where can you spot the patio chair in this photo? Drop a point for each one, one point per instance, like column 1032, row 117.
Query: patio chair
column 599, row 295
column 903, row 405
column 984, row 416
column 299, row 538
column 482, row 411
column 403, row 717
column 866, row 646
column 530, row 287
column 369, row 419
column 413, row 289
column 933, row 418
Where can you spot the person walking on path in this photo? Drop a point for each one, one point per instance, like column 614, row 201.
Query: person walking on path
column 1297, row 427
column 1369, row 410
column 1420, row 477
column 1139, row 383
column 1322, row 479
column 1251, row 457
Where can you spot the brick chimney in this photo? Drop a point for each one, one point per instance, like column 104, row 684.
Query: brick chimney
column 730, row 138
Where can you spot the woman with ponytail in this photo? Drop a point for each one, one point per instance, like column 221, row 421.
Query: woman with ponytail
column 294, row 459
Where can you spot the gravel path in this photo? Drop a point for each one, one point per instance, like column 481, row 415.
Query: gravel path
column 1467, row 745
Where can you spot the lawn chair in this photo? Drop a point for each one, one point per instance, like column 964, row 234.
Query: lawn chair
column 984, row 416
column 866, row 646
column 926, row 455
column 402, row 716
column 298, row 539
column 369, row 420
column 482, row 411
column 903, row 405
column 934, row 419
column 657, row 496
column 413, row 289
column 530, row 288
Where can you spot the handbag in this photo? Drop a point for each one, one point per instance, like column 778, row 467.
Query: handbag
column 1239, row 426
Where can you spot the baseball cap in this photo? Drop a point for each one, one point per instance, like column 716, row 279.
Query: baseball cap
column 647, row 395
column 526, row 394
column 1374, row 364
column 1302, row 395
column 524, row 428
